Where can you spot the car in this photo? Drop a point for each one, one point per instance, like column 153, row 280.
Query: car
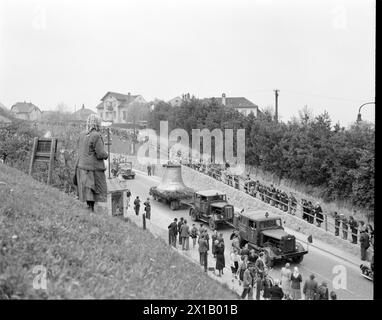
column 210, row 206
column 264, row 233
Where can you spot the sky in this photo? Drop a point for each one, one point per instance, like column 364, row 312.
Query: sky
column 317, row 53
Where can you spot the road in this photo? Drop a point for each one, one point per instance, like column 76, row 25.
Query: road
column 325, row 266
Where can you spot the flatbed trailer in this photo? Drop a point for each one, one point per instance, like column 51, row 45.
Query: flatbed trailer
column 174, row 198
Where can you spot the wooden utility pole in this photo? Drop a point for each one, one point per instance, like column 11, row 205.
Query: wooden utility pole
column 276, row 105
column 108, row 150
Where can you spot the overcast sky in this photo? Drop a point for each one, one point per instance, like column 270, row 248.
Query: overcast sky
column 317, row 53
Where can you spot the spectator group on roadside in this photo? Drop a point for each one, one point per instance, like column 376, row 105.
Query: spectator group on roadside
column 312, row 213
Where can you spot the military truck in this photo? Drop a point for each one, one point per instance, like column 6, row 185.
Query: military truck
column 264, row 233
column 210, row 206
column 126, row 170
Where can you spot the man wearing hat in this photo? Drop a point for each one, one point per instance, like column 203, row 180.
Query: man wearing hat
column 323, row 291
column 148, row 208
column 310, row 288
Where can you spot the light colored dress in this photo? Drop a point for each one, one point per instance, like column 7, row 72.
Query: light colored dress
column 286, row 274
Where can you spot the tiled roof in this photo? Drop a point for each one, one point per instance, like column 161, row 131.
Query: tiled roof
column 24, row 107
column 120, row 96
column 237, row 102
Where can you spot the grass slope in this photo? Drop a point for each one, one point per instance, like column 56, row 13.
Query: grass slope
column 86, row 255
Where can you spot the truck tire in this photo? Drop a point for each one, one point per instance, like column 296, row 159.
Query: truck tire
column 212, row 224
column 174, row 205
column 193, row 214
column 298, row 259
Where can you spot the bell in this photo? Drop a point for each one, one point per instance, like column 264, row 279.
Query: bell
column 172, row 179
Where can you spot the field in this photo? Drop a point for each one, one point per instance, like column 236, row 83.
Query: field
column 86, row 255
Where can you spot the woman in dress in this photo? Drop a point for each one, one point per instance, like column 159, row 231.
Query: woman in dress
column 296, row 280
column 286, row 274
column 220, row 261
column 90, row 167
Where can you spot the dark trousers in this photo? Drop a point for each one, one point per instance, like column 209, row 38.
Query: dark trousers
column 203, row 260
column 363, row 253
column 354, row 235
column 136, row 210
column 337, row 231
column 172, row 240
column 246, row 292
column 345, row 234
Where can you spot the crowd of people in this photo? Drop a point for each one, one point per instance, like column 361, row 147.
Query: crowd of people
column 249, row 269
column 312, row 213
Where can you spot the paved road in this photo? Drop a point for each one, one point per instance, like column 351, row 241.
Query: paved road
column 323, row 265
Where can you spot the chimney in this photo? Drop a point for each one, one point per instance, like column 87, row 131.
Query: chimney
column 83, row 106
column 223, row 99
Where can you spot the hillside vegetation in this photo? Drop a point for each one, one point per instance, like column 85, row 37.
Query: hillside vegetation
column 86, row 255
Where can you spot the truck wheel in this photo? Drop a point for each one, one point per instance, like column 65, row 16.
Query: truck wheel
column 174, row 205
column 212, row 224
column 298, row 259
column 193, row 214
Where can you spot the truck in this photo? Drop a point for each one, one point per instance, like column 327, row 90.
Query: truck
column 264, row 233
column 212, row 207
column 123, row 169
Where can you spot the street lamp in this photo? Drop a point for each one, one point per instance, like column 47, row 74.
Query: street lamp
column 359, row 119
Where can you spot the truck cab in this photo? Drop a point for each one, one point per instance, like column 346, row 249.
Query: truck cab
column 211, row 206
column 265, row 233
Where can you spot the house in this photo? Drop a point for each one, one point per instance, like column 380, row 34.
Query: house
column 82, row 114
column 114, row 106
column 26, row 111
column 241, row 104
column 177, row 101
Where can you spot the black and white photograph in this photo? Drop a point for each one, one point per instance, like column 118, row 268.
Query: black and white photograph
column 187, row 150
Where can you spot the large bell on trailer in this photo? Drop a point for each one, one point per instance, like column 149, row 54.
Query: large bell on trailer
column 172, row 180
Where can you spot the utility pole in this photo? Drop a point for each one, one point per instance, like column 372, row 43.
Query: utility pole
column 276, row 105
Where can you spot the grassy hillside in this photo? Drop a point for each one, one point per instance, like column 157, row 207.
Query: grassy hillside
column 86, row 255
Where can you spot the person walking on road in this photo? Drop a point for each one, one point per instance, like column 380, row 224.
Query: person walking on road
column 203, row 251
column 365, row 244
column 322, row 291
column 179, row 229
column 275, row 291
column 286, row 275
column 296, row 280
column 247, row 282
column 310, row 288
column 220, row 260
column 185, row 235
column 137, row 205
column 149, row 170
column 214, row 237
column 147, row 208
column 172, row 232
column 194, row 235
column 234, row 258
